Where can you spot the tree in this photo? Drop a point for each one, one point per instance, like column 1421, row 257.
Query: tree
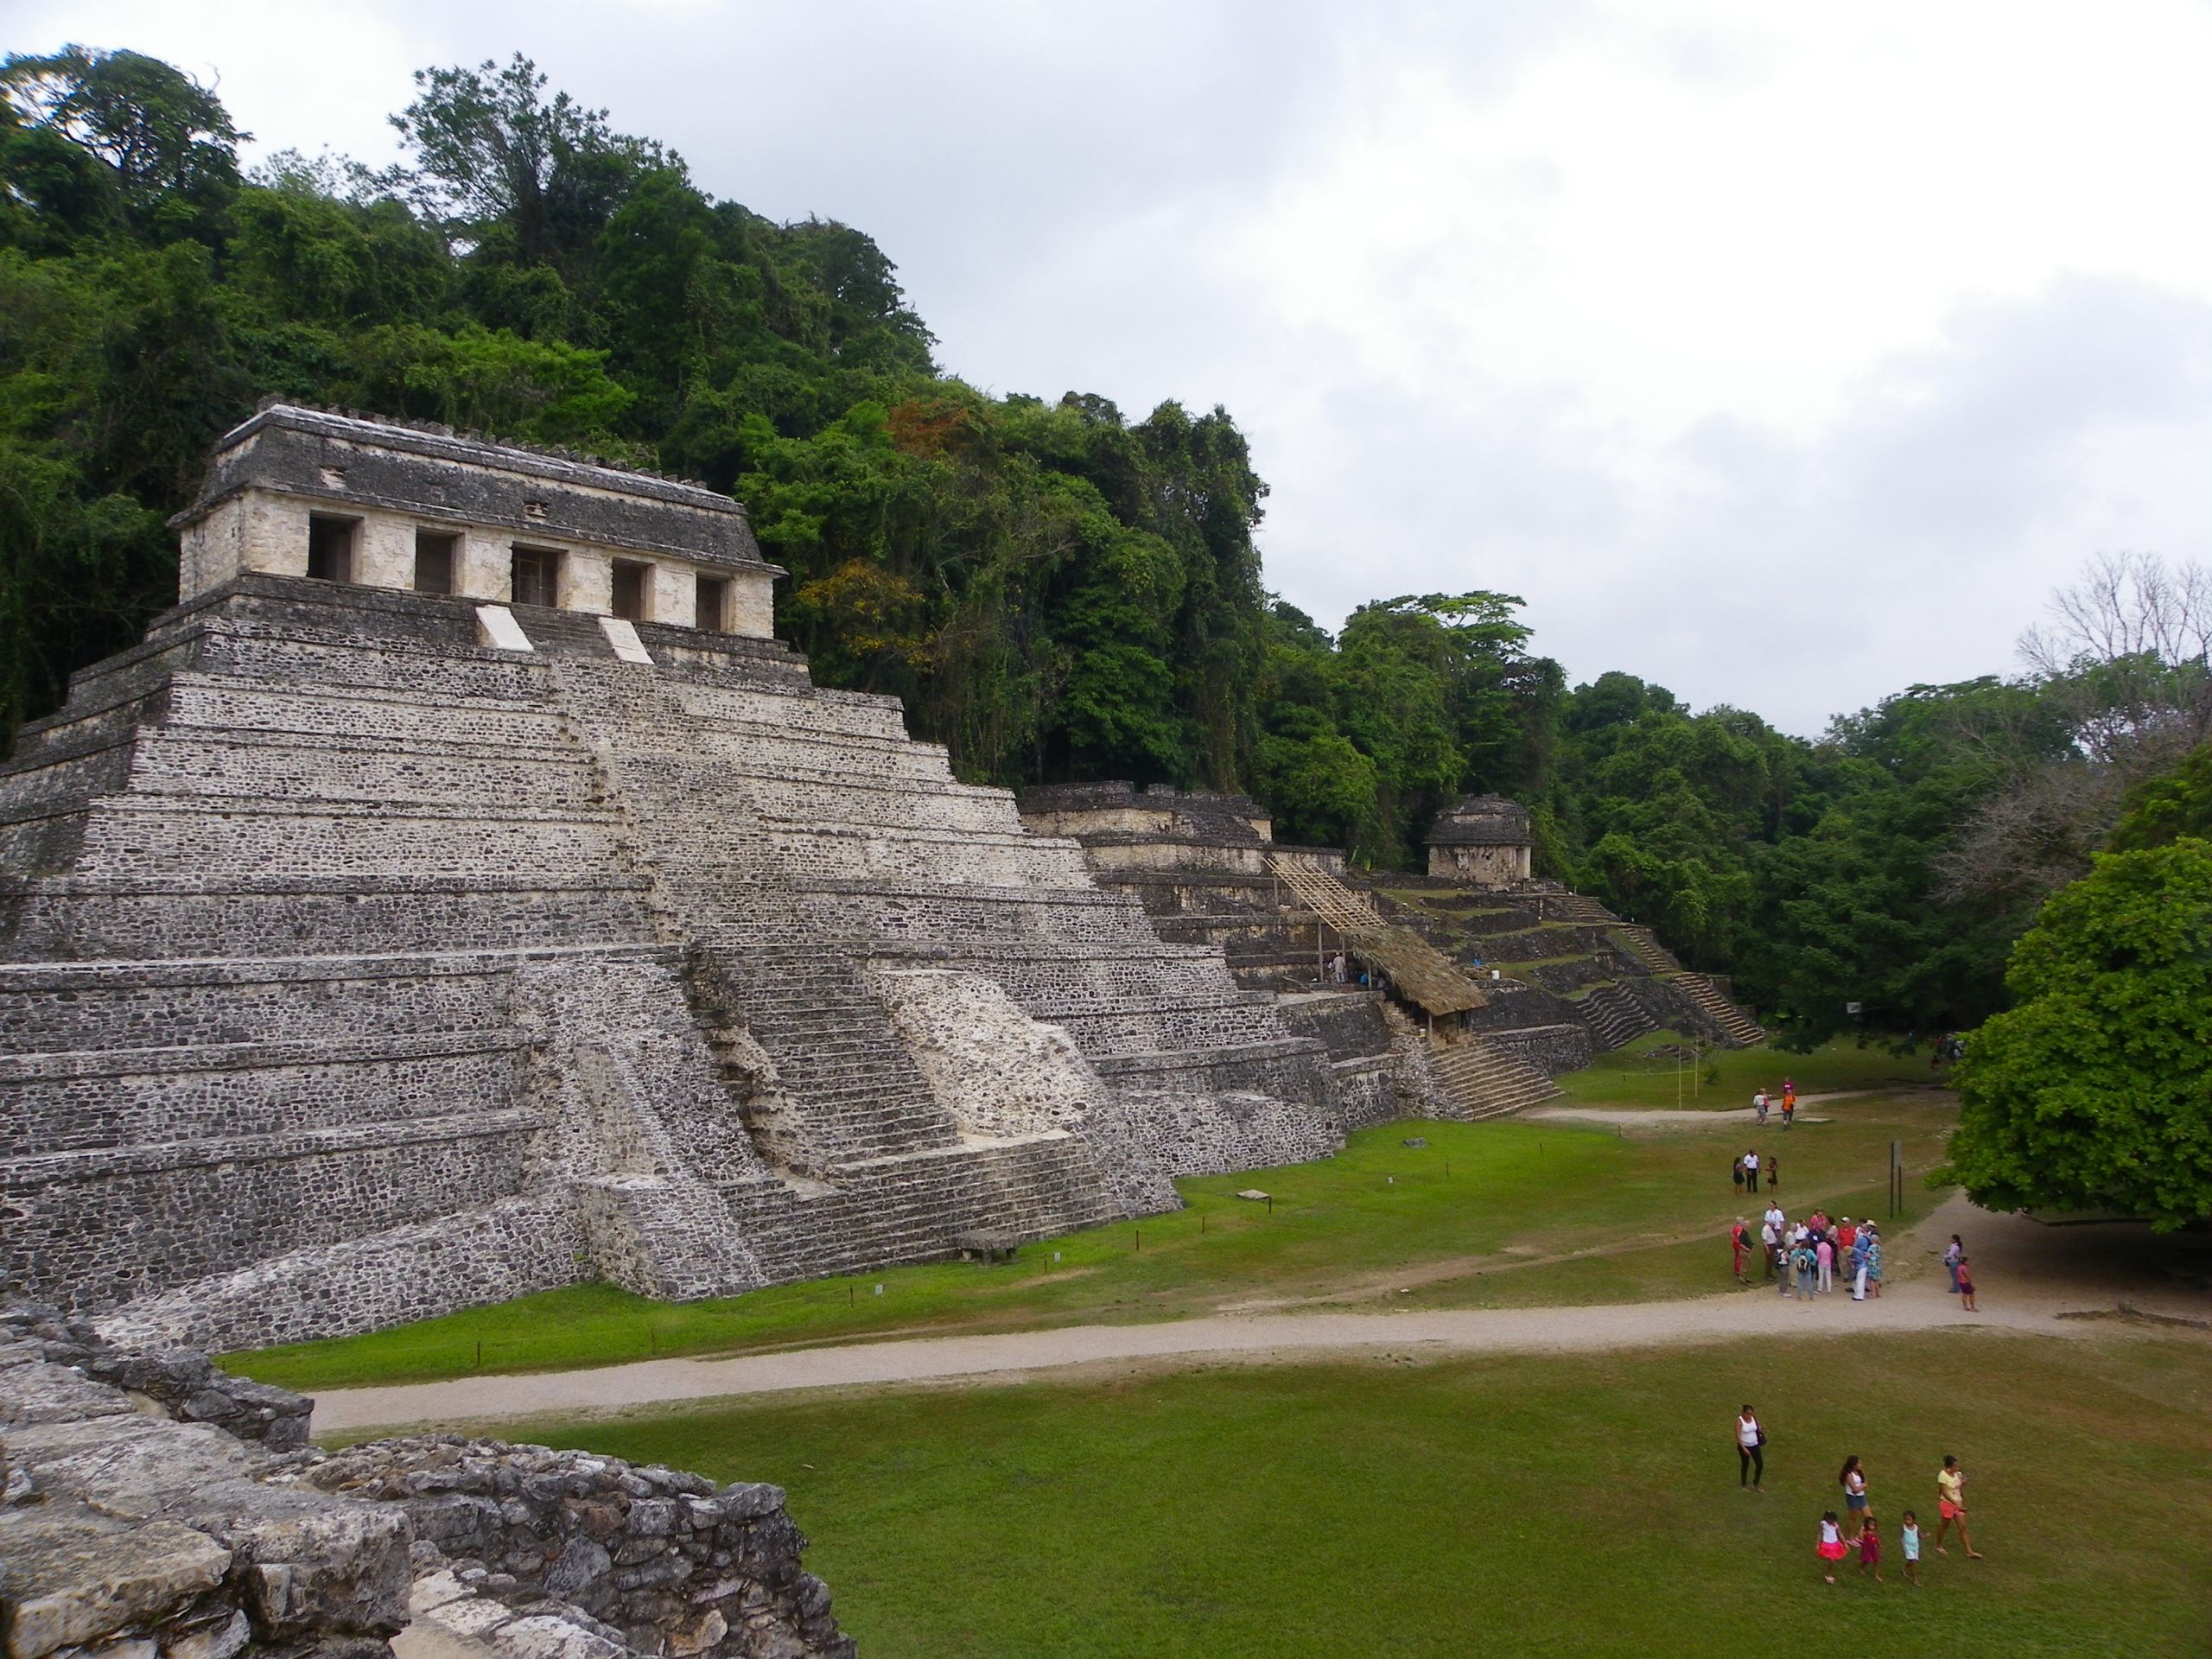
column 2094, row 1090
column 2121, row 687
column 2160, row 809
column 494, row 156
column 167, row 142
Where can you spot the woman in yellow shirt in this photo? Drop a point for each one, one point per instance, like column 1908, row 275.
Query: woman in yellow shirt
column 1951, row 1508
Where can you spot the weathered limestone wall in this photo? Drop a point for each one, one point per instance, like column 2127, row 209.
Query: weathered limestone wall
column 155, row 1505
column 1482, row 867
column 388, row 481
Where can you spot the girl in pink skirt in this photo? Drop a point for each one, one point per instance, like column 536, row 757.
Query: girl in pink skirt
column 1832, row 1547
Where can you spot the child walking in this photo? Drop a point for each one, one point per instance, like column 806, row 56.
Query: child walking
column 1909, row 1541
column 1831, row 1548
column 1870, row 1551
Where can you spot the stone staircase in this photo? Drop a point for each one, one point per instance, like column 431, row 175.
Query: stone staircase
column 1643, row 945
column 1574, row 907
column 1617, row 1017
column 855, row 1088
column 1483, row 1081
column 1419, row 971
column 1737, row 1028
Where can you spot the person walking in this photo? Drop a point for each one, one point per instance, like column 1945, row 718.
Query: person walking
column 1751, row 1450
column 1788, row 1108
column 1759, row 1106
column 1951, row 1507
column 1870, row 1550
column 1964, row 1271
column 1853, row 1481
column 1908, row 1546
column 1952, row 1254
column 1831, row 1548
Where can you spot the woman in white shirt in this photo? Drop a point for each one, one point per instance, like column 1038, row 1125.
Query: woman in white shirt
column 1751, row 1450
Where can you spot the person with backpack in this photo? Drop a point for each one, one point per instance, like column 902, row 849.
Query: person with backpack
column 1759, row 1105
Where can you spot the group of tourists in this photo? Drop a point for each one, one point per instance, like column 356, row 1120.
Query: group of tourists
column 1808, row 1256
column 1763, row 1103
column 1857, row 1533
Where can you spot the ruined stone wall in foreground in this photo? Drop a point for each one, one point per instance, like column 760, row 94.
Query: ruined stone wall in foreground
column 157, row 1508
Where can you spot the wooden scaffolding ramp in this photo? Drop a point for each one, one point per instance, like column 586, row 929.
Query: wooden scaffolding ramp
column 1483, row 1080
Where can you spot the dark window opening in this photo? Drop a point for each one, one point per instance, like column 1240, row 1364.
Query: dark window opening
column 434, row 561
column 330, row 548
column 630, row 590
column 712, row 605
column 537, row 577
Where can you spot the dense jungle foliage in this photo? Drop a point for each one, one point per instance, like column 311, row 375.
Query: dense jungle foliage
column 1057, row 591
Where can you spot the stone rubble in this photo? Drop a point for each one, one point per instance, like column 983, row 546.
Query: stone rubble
column 158, row 1508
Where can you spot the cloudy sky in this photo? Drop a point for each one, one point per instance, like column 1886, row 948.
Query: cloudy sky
column 1784, row 354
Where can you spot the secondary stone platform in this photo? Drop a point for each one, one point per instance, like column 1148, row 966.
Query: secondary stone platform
column 383, row 936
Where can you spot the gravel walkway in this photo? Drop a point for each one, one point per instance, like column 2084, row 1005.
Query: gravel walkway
column 2033, row 1279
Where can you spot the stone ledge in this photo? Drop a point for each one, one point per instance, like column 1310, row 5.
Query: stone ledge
column 63, row 1169
column 383, row 884
column 298, row 1053
column 187, row 971
column 1186, row 1059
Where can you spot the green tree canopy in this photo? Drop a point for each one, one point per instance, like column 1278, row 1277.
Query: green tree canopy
column 2094, row 1090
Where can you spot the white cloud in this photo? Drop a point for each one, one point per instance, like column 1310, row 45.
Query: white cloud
column 1785, row 355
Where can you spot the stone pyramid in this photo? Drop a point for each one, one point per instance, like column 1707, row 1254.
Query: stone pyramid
column 460, row 893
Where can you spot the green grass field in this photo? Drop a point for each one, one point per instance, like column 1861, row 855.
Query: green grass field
column 1525, row 1506
column 1477, row 1196
column 1639, row 1076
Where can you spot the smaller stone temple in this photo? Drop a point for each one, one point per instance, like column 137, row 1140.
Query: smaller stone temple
column 1483, row 841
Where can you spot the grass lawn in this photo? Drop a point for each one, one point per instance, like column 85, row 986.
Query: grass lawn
column 1639, row 1076
column 1523, row 1506
column 1349, row 1227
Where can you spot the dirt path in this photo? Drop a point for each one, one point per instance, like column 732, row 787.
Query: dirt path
column 2035, row 1279
column 1663, row 1117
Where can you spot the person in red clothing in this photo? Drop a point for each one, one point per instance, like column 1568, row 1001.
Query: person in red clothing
column 1966, row 1285
column 1739, row 1243
column 1870, row 1551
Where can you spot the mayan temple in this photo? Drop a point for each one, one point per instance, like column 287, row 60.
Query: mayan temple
column 460, row 892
